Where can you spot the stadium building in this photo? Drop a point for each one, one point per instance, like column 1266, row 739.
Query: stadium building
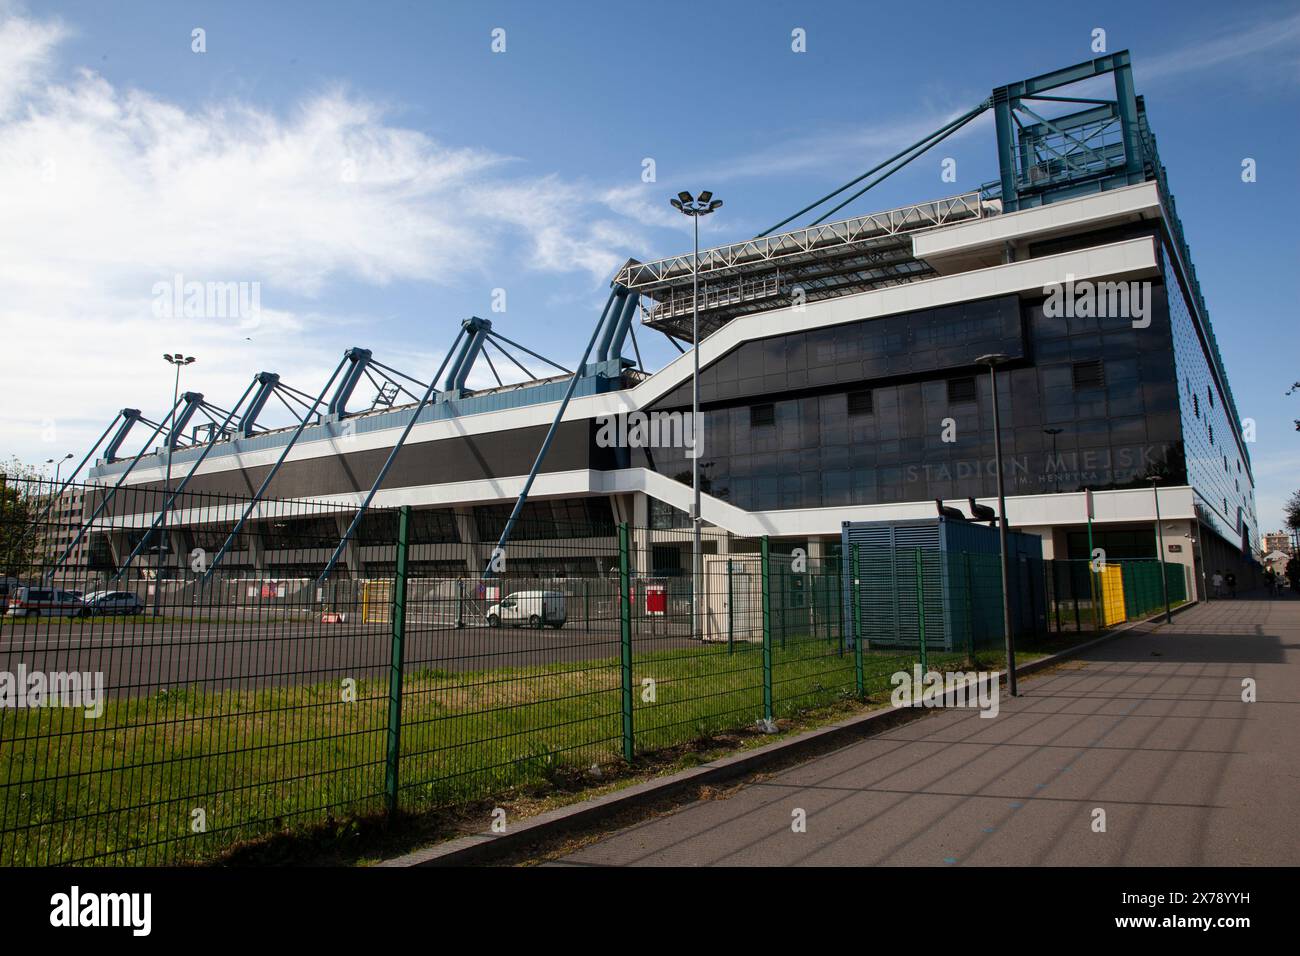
column 838, row 383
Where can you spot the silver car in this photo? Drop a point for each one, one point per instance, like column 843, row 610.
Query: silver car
column 45, row 602
column 113, row 602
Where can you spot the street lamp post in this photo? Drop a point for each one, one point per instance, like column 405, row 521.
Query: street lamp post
column 179, row 361
column 54, row 506
column 695, row 208
column 993, row 361
column 1160, row 546
column 58, row 465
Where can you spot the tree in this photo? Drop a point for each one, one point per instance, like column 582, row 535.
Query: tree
column 1292, row 511
column 19, row 501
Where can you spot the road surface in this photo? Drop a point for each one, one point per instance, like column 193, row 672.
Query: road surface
column 139, row 659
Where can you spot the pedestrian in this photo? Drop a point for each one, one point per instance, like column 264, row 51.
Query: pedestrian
column 1217, row 583
column 1231, row 580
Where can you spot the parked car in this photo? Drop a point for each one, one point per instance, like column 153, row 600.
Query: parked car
column 114, row 602
column 536, row 608
column 45, row 602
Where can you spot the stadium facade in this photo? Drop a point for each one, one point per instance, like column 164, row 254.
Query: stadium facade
column 838, row 383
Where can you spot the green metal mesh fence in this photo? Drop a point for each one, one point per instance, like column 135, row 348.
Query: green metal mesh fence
column 198, row 708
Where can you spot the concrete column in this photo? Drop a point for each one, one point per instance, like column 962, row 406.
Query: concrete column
column 468, row 531
column 640, row 557
column 256, row 551
column 1178, row 534
column 351, row 553
column 1048, row 534
column 118, row 547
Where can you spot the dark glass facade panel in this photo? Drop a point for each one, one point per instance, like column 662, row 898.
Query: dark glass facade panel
column 1216, row 466
column 1112, row 426
column 896, row 346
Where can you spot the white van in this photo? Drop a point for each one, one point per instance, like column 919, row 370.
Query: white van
column 534, row 608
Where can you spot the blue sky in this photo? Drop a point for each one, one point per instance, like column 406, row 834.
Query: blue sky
column 379, row 171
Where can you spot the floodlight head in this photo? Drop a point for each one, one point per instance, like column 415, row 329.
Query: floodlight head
column 705, row 197
column 684, row 196
column 716, row 204
column 167, row 356
column 677, row 204
column 994, row 358
column 189, row 359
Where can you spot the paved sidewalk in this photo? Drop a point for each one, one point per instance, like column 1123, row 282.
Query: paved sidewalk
column 1150, row 727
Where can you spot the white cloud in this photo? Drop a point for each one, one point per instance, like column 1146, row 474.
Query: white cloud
column 850, row 149
column 110, row 191
column 1268, row 34
column 26, row 50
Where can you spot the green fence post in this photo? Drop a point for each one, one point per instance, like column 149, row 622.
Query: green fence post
column 731, row 613
column 460, row 602
column 396, row 658
column 859, row 682
column 767, row 630
column 920, row 608
column 625, row 638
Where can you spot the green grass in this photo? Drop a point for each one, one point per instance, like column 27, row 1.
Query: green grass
column 124, row 788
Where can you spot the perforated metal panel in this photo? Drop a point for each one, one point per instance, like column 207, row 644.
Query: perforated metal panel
column 957, row 583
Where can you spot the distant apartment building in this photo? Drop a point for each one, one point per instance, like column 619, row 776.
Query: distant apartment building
column 1277, row 541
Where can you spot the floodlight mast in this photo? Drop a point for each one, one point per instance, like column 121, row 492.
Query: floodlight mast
column 695, row 208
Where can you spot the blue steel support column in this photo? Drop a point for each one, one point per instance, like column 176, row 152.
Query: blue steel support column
column 476, row 329
column 129, row 417
column 72, row 477
column 360, row 359
column 109, row 497
column 546, row 446
column 167, row 505
column 267, row 381
column 192, row 402
column 609, row 319
column 1006, row 149
column 392, row 457
column 266, row 482
column 615, row 350
column 1126, row 101
column 454, row 371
